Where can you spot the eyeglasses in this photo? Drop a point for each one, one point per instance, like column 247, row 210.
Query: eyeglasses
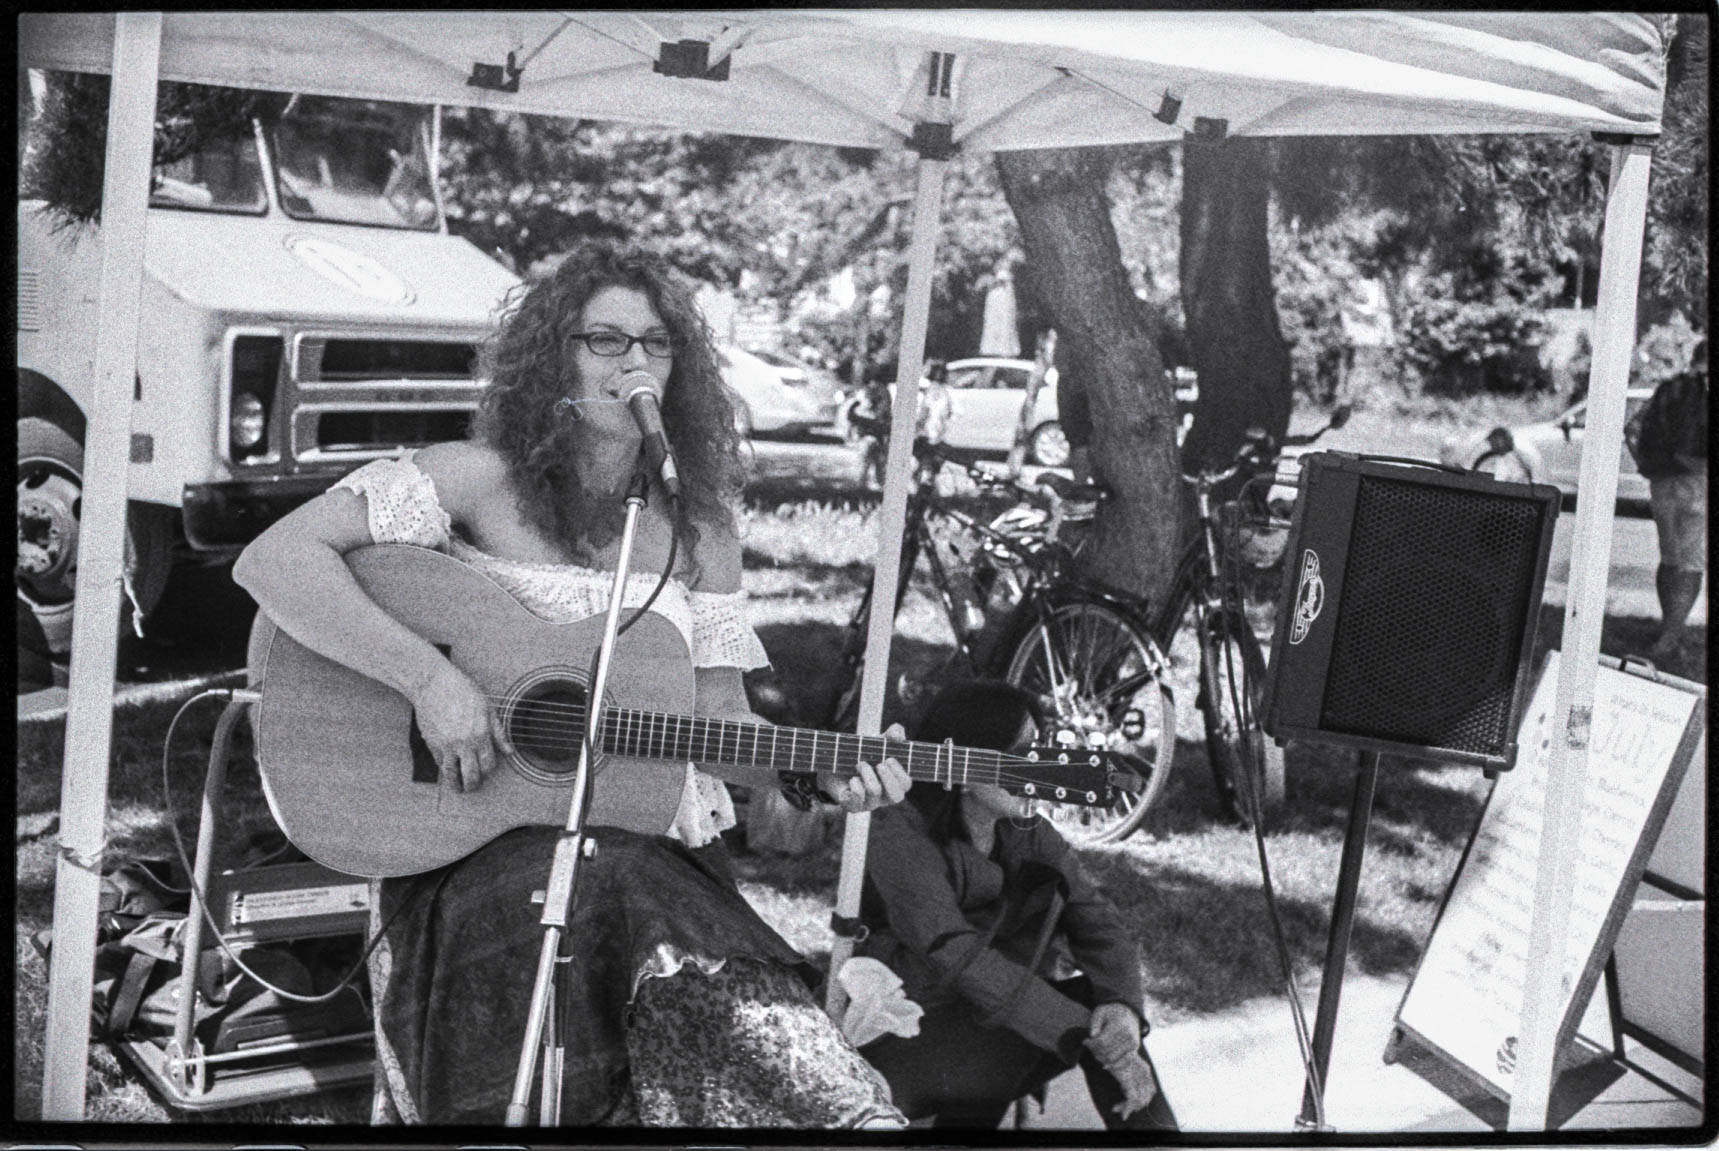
column 658, row 344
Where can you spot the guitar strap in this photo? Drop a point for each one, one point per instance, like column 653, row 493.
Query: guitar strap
column 1012, row 906
column 1053, row 913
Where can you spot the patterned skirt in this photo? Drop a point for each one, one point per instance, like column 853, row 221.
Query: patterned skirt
column 680, row 1006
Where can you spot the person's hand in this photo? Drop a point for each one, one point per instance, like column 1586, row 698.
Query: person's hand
column 870, row 787
column 1114, row 1033
column 1134, row 1075
column 460, row 727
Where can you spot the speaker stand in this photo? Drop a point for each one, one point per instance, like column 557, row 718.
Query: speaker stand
column 1337, row 944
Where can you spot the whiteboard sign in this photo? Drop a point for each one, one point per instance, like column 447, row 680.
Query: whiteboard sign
column 1465, row 1000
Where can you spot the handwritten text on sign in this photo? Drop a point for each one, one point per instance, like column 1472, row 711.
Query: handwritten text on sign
column 1467, row 996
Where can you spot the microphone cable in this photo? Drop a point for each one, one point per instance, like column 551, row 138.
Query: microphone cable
column 1232, row 596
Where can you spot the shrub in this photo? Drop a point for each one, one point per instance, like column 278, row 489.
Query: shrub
column 1482, row 333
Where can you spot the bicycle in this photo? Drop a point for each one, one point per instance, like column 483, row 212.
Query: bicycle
column 1248, row 769
column 1019, row 612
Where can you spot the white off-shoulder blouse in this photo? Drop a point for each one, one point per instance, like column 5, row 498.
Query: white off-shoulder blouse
column 403, row 508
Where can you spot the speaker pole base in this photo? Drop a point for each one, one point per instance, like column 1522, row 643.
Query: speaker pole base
column 1337, row 944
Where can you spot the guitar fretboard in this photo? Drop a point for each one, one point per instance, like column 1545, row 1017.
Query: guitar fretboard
column 654, row 735
column 662, row 736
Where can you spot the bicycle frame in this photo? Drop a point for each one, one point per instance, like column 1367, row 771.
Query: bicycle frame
column 1048, row 588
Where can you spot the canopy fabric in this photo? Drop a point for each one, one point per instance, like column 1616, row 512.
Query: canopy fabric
column 1013, row 80
column 1022, row 78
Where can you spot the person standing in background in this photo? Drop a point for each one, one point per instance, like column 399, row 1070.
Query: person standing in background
column 1668, row 439
column 935, row 403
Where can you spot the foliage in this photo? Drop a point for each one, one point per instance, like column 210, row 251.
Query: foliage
column 1675, row 259
column 1479, row 332
column 1309, row 269
column 772, row 220
column 67, row 166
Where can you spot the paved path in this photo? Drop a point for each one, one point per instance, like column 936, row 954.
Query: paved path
column 1240, row 1071
column 1635, row 556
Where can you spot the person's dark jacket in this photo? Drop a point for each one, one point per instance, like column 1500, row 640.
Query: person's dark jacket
column 929, row 908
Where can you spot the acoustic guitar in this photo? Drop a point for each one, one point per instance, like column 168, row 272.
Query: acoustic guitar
column 353, row 785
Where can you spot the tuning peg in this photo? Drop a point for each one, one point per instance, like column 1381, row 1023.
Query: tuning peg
column 1133, row 724
column 1066, row 738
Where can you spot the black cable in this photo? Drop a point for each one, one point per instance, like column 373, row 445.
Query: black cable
column 1230, row 594
column 596, row 656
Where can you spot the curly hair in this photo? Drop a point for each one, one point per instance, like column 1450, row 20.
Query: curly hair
column 530, row 365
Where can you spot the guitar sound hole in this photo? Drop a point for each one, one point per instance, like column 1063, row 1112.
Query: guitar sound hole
column 546, row 725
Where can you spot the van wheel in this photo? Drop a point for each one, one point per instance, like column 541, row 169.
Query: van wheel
column 50, row 505
column 1049, row 445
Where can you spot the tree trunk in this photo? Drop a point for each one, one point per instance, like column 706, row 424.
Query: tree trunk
column 1236, row 343
column 1111, row 348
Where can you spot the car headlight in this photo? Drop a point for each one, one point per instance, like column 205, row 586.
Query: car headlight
column 249, row 422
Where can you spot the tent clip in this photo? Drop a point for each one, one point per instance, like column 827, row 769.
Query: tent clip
column 933, row 141
column 1624, row 138
column 1209, row 129
column 689, row 60
column 496, row 77
column 90, row 863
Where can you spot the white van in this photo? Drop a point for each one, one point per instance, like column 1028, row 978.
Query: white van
column 304, row 310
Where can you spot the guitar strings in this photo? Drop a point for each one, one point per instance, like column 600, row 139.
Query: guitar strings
column 990, row 766
column 551, row 719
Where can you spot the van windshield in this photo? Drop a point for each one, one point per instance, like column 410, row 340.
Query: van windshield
column 224, row 175
column 354, row 162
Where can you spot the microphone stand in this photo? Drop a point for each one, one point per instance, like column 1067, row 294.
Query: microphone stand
column 557, row 898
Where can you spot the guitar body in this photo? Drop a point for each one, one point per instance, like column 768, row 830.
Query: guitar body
column 336, row 748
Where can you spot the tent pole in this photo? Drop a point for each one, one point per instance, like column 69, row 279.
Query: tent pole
column 101, row 557
column 1542, row 1026
column 892, row 521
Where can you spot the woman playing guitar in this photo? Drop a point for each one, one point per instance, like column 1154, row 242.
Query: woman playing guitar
column 687, row 1009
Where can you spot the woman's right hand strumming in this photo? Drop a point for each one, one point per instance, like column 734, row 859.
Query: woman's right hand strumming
column 460, row 727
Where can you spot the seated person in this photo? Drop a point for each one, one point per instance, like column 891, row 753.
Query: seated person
column 984, row 915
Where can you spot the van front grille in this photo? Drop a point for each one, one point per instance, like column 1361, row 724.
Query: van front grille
column 29, row 300
column 373, row 430
column 340, row 359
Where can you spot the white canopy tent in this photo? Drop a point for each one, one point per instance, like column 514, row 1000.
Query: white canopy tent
column 927, row 79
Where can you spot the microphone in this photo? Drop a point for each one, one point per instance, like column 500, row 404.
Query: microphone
column 642, row 402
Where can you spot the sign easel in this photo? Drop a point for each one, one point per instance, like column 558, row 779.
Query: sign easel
column 1463, row 1004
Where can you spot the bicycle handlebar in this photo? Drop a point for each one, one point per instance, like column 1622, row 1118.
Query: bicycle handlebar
column 1260, row 447
column 1057, row 487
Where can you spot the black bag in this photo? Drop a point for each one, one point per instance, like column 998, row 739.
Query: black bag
column 138, row 966
column 1670, row 431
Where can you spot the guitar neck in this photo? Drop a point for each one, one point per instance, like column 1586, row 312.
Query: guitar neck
column 655, row 735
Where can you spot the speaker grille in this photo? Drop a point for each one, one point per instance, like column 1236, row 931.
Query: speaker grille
column 1428, row 642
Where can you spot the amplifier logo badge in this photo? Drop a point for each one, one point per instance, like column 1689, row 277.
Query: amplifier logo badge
column 1309, row 596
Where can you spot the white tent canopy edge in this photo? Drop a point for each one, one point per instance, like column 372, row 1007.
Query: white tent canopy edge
column 1020, row 80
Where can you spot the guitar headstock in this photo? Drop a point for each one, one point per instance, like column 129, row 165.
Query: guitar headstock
column 1076, row 775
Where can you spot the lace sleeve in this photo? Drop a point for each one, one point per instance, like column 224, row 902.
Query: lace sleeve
column 402, row 503
column 721, row 637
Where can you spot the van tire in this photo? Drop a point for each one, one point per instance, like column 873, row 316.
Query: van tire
column 50, row 498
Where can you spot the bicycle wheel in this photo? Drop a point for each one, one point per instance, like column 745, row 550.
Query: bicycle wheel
column 1247, row 766
column 1098, row 675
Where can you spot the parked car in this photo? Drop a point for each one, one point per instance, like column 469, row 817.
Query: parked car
column 1548, row 452
column 986, row 393
column 821, row 386
column 762, row 402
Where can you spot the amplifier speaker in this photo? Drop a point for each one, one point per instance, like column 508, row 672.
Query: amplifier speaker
column 1407, row 618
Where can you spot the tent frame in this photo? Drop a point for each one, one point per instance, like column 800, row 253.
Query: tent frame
column 135, row 68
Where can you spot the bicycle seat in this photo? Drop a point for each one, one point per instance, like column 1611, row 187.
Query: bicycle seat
column 1069, row 491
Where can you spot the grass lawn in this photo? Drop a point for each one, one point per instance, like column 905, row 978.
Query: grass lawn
column 1189, row 883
